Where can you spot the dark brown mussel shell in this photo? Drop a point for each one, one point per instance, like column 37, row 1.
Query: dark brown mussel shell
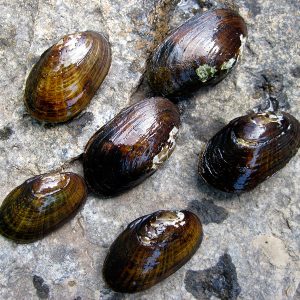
column 150, row 249
column 248, row 150
column 40, row 205
column 131, row 147
column 66, row 77
column 200, row 52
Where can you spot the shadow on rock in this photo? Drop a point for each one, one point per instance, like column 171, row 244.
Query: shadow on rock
column 219, row 281
column 208, row 212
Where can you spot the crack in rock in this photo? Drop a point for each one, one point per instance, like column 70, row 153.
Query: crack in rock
column 159, row 20
column 297, row 294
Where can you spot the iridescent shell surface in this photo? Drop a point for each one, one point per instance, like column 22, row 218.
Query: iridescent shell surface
column 248, row 150
column 150, row 249
column 66, row 77
column 131, row 146
column 202, row 51
column 40, row 205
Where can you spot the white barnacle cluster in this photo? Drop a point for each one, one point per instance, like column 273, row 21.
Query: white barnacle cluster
column 160, row 223
column 243, row 43
column 227, row 65
column 267, row 117
column 166, row 151
column 245, row 143
column 73, row 51
column 165, row 219
column 205, row 72
column 277, row 118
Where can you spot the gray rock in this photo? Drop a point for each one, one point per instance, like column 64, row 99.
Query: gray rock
column 259, row 230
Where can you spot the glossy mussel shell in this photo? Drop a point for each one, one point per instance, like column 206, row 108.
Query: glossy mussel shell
column 202, row 51
column 150, row 249
column 66, row 77
column 131, row 146
column 248, row 150
column 40, row 205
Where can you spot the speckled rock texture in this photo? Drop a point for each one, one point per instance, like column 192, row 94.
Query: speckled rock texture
column 251, row 244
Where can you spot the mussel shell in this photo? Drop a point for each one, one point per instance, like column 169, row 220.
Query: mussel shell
column 248, row 150
column 200, row 52
column 40, row 205
column 150, row 249
column 131, row 146
column 66, row 77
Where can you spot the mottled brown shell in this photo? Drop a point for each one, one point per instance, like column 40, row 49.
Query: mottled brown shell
column 66, row 77
column 202, row 51
column 131, row 147
column 40, row 205
column 248, row 150
column 150, row 249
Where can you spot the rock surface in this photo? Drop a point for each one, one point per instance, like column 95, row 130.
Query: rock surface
column 251, row 244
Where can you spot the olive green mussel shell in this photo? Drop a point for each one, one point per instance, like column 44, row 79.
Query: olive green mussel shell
column 248, row 150
column 150, row 249
column 66, row 77
column 200, row 52
column 40, row 205
column 131, row 147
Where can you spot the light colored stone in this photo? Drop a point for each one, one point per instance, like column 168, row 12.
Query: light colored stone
column 274, row 249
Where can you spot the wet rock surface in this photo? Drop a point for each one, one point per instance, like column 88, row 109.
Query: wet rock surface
column 258, row 231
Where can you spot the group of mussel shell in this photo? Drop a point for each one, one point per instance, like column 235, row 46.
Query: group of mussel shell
column 136, row 142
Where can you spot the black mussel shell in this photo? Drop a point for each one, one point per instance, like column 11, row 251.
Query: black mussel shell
column 150, row 249
column 131, row 146
column 40, row 205
column 200, row 52
column 248, row 150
